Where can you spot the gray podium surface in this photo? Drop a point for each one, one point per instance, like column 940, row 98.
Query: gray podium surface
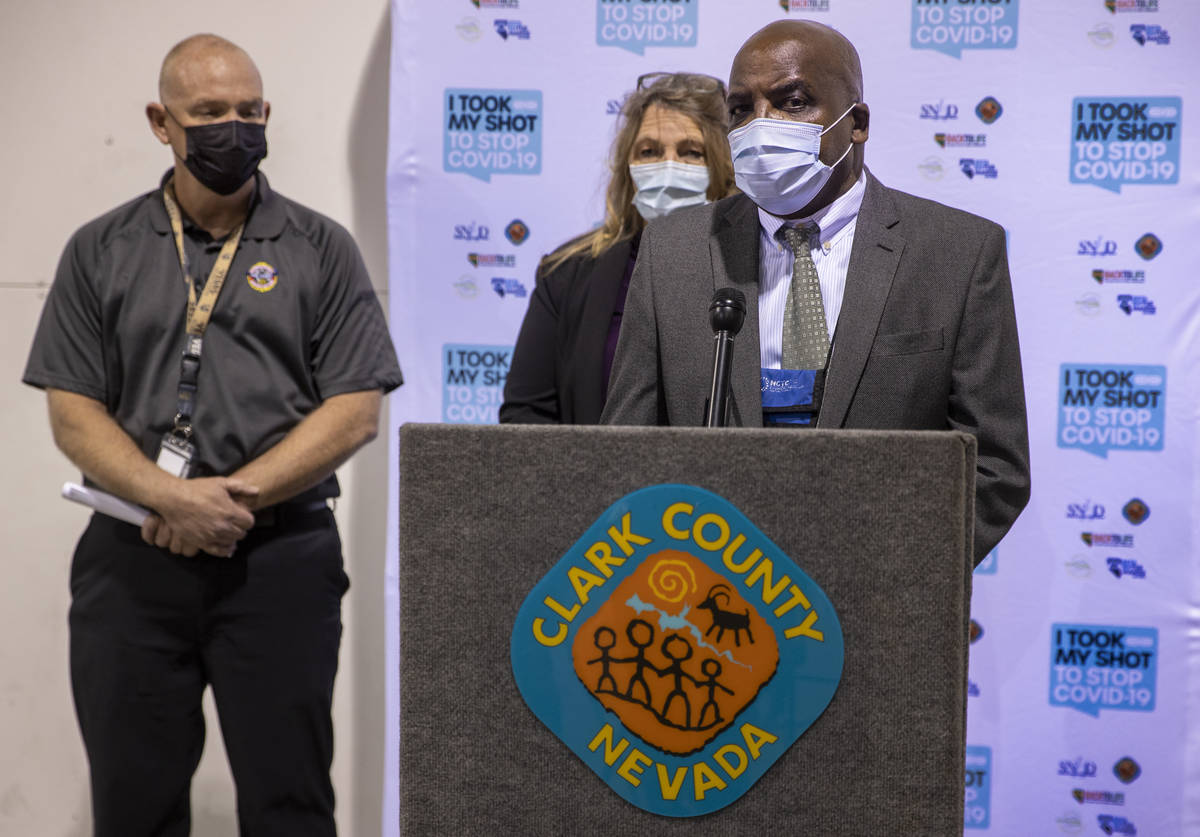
column 880, row 520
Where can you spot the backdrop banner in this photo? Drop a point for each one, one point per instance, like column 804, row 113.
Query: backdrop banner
column 1065, row 123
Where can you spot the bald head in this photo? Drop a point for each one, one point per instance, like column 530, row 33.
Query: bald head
column 195, row 60
column 839, row 54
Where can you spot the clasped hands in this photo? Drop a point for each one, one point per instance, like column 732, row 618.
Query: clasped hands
column 208, row 514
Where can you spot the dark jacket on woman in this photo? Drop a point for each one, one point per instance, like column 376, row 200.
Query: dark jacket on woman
column 558, row 367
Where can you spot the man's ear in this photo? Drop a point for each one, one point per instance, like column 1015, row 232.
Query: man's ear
column 266, row 111
column 156, row 115
column 861, row 114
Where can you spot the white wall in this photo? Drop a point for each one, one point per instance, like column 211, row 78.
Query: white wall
column 74, row 143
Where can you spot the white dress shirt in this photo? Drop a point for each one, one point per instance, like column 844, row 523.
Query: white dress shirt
column 832, row 258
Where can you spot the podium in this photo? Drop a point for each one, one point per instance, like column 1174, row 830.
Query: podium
column 881, row 521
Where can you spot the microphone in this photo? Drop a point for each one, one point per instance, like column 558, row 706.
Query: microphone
column 726, row 313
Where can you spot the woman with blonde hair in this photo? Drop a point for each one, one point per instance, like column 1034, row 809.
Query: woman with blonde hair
column 670, row 151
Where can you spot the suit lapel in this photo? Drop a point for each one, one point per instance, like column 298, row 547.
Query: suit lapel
column 874, row 258
column 734, row 253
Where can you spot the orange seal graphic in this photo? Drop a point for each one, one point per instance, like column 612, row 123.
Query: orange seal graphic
column 676, row 653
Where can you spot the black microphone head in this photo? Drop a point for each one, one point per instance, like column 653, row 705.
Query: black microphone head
column 727, row 311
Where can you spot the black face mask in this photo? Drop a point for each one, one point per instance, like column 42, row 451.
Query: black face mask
column 224, row 155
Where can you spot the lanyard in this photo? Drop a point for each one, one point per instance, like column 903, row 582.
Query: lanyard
column 199, row 311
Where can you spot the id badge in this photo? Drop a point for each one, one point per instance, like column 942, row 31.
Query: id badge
column 175, row 456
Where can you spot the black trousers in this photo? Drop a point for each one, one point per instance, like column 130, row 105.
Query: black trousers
column 149, row 630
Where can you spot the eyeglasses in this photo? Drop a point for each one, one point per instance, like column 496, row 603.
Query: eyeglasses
column 700, row 82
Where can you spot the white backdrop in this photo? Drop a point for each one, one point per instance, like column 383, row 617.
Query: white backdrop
column 1062, row 121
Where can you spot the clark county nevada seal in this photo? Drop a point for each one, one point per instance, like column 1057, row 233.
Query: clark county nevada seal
column 677, row 650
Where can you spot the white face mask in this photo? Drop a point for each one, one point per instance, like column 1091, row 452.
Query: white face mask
column 664, row 187
column 777, row 162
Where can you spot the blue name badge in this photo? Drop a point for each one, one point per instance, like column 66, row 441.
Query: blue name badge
column 789, row 396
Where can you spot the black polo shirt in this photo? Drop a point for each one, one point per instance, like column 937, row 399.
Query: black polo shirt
column 296, row 322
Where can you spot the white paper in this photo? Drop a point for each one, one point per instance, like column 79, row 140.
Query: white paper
column 105, row 503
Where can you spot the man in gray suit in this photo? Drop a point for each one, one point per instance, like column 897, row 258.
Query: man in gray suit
column 919, row 329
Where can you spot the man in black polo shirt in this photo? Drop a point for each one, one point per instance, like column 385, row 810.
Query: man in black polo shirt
column 211, row 351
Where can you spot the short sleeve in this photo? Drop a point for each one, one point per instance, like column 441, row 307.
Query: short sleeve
column 351, row 347
column 68, row 348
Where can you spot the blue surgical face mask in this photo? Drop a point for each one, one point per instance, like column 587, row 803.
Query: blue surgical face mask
column 664, row 187
column 777, row 162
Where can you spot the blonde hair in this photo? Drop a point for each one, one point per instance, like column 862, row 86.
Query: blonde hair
column 699, row 97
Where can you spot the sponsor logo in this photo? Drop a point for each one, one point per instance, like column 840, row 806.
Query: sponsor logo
column 1149, row 33
column 1100, row 247
column 1124, row 277
column 262, row 277
column 973, row 689
column 497, row 4
column 612, row 107
column 804, row 5
column 491, row 260
column 960, row 140
column 975, row 632
column 1127, row 770
column 1087, row 510
column 1096, row 539
column 1096, row 797
column 1088, row 305
column 977, row 812
column 511, row 29
column 1069, row 823
column 1125, row 568
column 1118, row 141
column 491, row 132
column 1148, row 246
column 471, row 232
column 507, row 287
column 517, row 231
column 1094, row 667
column 1105, row 407
column 950, row 30
column 977, row 168
column 941, row 110
column 1102, row 35
column 1138, row 6
column 473, row 382
column 465, row 286
column 1078, row 768
column 989, row 110
column 931, row 167
column 1129, row 303
column 469, row 29
column 1135, row 511
column 676, row 650
column 634, row 27
column 1111, row 824
column 1078, row 568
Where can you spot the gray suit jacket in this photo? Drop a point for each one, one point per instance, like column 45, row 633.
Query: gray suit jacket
column 926, row 338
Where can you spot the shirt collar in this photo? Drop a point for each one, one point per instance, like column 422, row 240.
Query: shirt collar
column 268, row 212
column 831, row 219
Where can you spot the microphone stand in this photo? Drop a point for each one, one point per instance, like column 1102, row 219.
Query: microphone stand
column 726, row 314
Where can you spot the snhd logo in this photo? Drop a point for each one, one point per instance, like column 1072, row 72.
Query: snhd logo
column 677, row 651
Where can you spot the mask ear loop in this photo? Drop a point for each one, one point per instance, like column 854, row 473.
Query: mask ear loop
column 839, row 119
column 835, row 122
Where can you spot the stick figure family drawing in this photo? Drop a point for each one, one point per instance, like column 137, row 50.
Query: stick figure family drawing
column 676, row 709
